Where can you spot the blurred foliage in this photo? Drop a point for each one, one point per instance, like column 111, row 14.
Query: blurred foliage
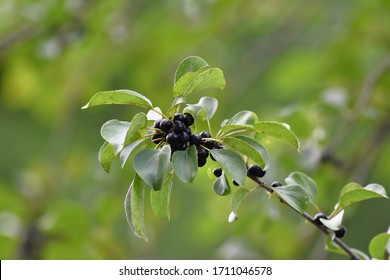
column 308, row 63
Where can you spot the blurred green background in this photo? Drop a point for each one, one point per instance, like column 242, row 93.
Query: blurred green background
column 321, row 66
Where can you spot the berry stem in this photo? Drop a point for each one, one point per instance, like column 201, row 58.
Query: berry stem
column 213, row 139
column 209, row 125
column 306, row 216
column 223, row 135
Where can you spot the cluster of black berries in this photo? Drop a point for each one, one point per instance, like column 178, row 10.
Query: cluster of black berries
column 178, row 135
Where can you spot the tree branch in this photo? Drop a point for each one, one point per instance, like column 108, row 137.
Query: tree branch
column 307, row 217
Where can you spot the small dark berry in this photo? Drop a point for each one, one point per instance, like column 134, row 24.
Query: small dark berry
column 165, row 125
column 184, row 137
column 178, row 127
column 172, row 138
column 319, row 216
column 182, row 146
column 175, row 146
column 209, row 144
column 187, row 130
column 201, row 162
column 256, row 170
column 217, row 172
column 157, row 123
column 341, row 232
column 276, row 184
column 203, row 153
column 218, row 145
column 235, row 183
column 195, row 139
column 179, row 117
column 205, row 134
column 158, row 137
column 188, row 119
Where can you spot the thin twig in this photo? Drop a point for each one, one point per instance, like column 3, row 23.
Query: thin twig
column 305, row 215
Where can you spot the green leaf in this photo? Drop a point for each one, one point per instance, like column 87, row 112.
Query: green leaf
column 221, row 185
column 243, row 121
column 353, row 193
column 152, row 165
column 114, row 132
column 138, row 122
column 293, row 195
column 207, row 105
column 279, row 131
column 185, row 164
column 160, row 199
column 378, row 245
column 310, row 186
column 251, row 148
column 243, row 118
column 232, row 163
column 203, row 78
column 189, row 64
column 122, row 96
column 237, row 197
column 106, row 156
column 132, row 148
column 134, row 207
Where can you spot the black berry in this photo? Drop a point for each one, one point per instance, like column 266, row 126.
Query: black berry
column 178, row 126
column 203, row 153
column 179, row 117
column 341, row 232
column 187, row 130
column 201, row 162
column 256, row 171
column 217, row 145
column 184, row 137
column 157, row 123
column 172, row 138
column 319, row 216
column 205, row 134
column 195, row 139
column 209, row 144
column 182, row 146
column 165, row 125
column 217, row 172
column 188, row 119
column 276, row 184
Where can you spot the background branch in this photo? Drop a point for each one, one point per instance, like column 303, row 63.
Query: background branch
column 310, row 219
column 361, row 105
